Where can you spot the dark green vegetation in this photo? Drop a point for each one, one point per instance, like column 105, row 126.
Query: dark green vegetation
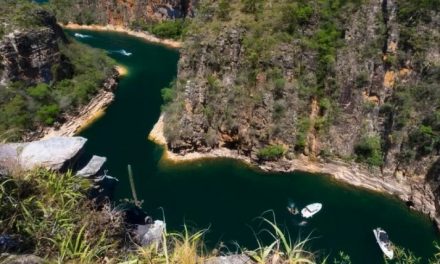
column 134, row 17
column 18, row 14
column 271, row 152
column 75, row 73
column 372, row 68
column 172, row 29
column 225, row 195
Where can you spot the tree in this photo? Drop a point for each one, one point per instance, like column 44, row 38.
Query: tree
column 368, row 150
column 40, row 91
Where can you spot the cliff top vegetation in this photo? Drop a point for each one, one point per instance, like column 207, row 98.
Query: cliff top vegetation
column 36, row 91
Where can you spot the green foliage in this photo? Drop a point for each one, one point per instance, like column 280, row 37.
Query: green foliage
column 252, row 6
column 18, row 14
column 40, row 91
column 301, row 135
column 272, row 152
column 168, row 94
column 224, row 10
column 23, row 107
column 403, row 256
column 369, row 151
column 424, row 139
column 169, row 28
column 279, row 85
column 47, row 113
column 52, row 213
column 296, row 15
column 342, row 259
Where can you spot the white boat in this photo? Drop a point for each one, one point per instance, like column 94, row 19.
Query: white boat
column 384, row 242
column 125, row 53
column 311, row 210
column 78, row 35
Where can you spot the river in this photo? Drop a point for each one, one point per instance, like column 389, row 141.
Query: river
column 226, row 195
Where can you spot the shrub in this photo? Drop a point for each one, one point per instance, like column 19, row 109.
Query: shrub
column 169, row 29
column 368, row 150
column 40, row 91
column 273, row 152
column 168, row 94
column 295, row 15
column 279, row 83
column 48, row 113
column 251, row 6
column 424, row 139
column 224, row 10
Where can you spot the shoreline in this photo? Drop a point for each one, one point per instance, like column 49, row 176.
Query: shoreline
column 140, row 34
column 87, row 114
column 122, row 70
column 414, row 191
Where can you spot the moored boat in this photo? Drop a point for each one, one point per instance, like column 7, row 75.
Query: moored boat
column 384, row 242
column 311, row 209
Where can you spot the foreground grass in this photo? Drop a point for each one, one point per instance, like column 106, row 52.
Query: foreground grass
column 48, row 214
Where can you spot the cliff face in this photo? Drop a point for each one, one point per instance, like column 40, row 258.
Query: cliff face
column 123, row 12
column 43, row 75
column 356, row 81
column 28, row 55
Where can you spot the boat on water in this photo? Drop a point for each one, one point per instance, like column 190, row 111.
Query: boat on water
column 79, row 35
column 125, row 53
column 384, row 242
column 311, row 209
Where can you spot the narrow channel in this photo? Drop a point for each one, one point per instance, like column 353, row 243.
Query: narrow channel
column 225, row 195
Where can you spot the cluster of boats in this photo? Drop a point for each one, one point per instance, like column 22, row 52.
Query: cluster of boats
column 381, row 236
column 121, row 51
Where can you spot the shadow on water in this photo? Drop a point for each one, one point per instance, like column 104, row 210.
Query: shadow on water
column 224, row 194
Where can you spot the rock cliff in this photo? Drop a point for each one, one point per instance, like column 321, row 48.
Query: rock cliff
column 28, row 55
column 44, row 75
column 122, row 12
column 354, row 82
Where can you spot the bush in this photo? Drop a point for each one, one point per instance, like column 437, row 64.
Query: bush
column 224, row 10
column 279, row 83
column 47, row 114
column 251, row 6
column 169, row 29
column 296, row 15
column 168, row 94
column 368, row 150
column 273, row 152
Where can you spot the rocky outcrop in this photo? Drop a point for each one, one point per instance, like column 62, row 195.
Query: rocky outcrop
column 29, row 54
column 55, row 154
column 126, row 12
column 232, row 259
column 21, row 259
column 150, row 234
column 93, row 167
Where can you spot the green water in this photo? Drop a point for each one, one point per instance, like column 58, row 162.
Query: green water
column 225, row 195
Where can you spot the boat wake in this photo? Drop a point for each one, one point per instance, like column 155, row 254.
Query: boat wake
column 122, row 52
column 79, row 35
